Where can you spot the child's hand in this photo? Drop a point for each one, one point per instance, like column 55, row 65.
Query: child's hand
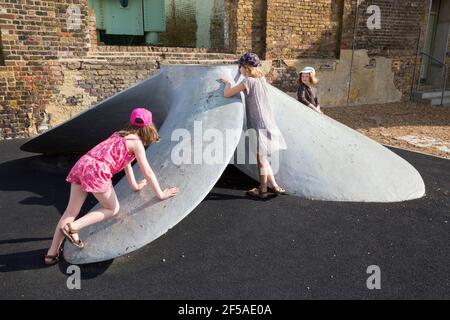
column 319, row 110
column 224, row 80
column 168, row 193
column 141, row 185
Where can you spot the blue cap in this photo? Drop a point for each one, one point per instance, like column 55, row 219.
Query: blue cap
column 250, row 59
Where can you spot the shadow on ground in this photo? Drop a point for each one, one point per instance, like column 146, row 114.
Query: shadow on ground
column 39, row 182
column 284, row 248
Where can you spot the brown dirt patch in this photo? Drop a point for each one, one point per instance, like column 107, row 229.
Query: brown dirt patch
column 407, row 125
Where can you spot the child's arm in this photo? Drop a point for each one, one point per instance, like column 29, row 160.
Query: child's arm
column 131, row 179
column 139, row 152
column 301, row 96
column 317, row 103
column 231, row 91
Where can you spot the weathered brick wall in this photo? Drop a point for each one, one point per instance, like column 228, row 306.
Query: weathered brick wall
column 299, row 29
column 88, row 80
column 322, row 29
column 283, row 76
column 33, row 30
column 348, row 23
column 403, row 26
column 34, row 33
column 249, row 28
column 402, row 23
column 258, row 31
column 52, row 72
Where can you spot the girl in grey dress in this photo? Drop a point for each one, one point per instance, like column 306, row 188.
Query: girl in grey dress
column 260, row 121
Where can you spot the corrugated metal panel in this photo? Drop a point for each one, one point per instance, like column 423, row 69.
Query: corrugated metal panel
column 154, row 15
column 125, row 21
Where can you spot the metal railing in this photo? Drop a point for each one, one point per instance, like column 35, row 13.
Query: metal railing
column 444, row 68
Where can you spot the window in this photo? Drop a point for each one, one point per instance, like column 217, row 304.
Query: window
column 168, row 23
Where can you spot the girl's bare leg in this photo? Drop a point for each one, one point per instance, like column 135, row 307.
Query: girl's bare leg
column 271, row 181
column 263, row 181
column 110, row 207
column 264, row 171
column 76, row 200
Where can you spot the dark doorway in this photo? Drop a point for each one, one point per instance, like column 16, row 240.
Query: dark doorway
column 436, row 43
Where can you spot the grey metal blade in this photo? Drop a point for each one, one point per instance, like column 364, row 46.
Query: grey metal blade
column 87, row 129
column 327, row 160
column 142, row 217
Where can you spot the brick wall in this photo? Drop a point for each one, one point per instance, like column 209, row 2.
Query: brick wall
column 34, row 33
column 52, row 72
column 348, row 23
column 89, row 80
column 258, row 30
column 322, row 29
column 299, row 29
column 403, row 27
column 37, row 29
column 402, row 23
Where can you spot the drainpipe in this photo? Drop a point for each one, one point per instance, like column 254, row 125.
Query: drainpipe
column 355, row 26
column 444, row 84
column 447, row 54
column 411, row 97
column 445, row 70
column 2, row 53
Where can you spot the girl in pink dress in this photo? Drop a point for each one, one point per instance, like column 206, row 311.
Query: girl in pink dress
column 93, row 172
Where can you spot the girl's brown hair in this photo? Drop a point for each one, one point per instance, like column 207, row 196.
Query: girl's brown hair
column 147, row 134
column 312, row 79
column 253, row 72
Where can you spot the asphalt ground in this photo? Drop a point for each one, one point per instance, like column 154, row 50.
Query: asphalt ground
column 231, row 246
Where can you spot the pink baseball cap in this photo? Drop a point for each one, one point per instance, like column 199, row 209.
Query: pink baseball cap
column 141, row 117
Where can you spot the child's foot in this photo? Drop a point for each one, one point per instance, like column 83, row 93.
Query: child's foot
column 72, row 236
column 277, row 189
column 51, row 259
column 258, row 193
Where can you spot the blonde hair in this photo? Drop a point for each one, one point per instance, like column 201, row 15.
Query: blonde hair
column 253, row 72
column 312, row 78
column 147, row 134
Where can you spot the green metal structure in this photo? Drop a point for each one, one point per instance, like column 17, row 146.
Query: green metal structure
column 132, row 18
